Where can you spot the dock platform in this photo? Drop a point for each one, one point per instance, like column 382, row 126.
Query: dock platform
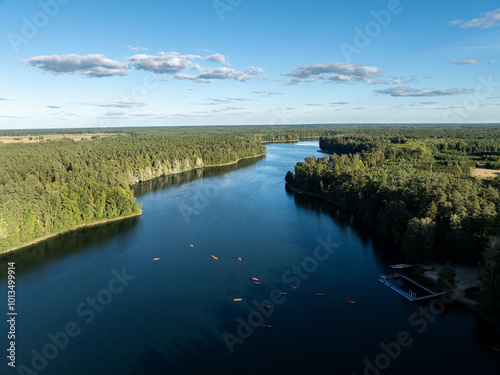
column 411, row 297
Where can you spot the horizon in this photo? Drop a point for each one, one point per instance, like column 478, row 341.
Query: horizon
column 130, row 127
column 72, row 65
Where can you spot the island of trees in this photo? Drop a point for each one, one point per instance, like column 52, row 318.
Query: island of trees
column 415, row 186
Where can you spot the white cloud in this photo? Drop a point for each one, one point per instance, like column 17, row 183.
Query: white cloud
column 218, row 101
column 137, row 48
column 408, row 91
column 485, row 21
column 492, row 62
column 115, row 105
column 253, row 71
column 463, row 62
column 163, row 63
column 399, row 80
column 267, row 93
column 343, row 72
column 217, row 57
column 90, row 65
column 209, row 74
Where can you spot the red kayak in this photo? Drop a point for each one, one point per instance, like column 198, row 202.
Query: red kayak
column 350, row 301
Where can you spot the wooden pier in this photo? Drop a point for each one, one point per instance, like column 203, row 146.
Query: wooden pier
column 411, row 297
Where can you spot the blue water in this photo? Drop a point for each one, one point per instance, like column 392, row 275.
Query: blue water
column 171, row 316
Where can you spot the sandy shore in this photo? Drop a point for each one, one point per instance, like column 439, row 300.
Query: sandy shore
column 467, row 277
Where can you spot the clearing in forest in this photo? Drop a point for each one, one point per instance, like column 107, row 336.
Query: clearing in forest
column 485, row 174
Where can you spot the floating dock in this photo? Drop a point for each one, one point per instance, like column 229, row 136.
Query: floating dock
column 411, row 297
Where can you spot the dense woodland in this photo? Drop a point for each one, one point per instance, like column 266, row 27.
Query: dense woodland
column 49, row 187
column 52, row 186
column 415, row 187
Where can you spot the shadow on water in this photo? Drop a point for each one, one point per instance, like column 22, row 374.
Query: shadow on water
column 207, row 355
column 383, row 248
column 72, row 242
column 195, row 174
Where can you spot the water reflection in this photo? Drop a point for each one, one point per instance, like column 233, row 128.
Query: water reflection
column 385, row 249
column 66, row 243
column 188, row 176
column 75, row 241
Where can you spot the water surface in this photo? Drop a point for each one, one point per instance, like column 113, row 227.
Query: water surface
column 171, row 315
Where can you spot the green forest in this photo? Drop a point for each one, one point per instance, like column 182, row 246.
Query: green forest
column 416, row 187
column 51, row 186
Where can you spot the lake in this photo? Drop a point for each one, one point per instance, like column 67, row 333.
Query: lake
column 94, row 301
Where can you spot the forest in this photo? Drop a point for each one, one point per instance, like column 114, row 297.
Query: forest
column 416, row 187
column 49, row 186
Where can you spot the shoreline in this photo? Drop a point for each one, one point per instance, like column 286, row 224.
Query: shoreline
column 317, row 195
column 221, row 165
column 196, row 168
column 80, row 226
column 106, row 221
column 465, row 276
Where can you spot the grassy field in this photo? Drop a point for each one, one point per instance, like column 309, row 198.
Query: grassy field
column 52, row 137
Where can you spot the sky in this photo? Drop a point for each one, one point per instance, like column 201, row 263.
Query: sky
column 75, row 63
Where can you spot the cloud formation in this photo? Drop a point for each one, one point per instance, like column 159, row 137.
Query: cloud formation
column 207, row 75
column 137, row 48
column 334, row 72
column 217, row 101
column 409, row 91
column 485, row 21
column 163, row 63
column 95, row 65
column 267, row 93
column 217, row 57
column 463, row 62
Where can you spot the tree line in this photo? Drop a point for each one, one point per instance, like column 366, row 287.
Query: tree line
column 414, row 186
column 50, row 187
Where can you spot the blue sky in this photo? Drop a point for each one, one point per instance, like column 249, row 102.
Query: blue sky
column 69, row 63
